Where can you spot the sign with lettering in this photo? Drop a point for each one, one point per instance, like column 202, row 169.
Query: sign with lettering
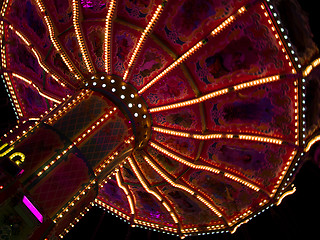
column 16, row 157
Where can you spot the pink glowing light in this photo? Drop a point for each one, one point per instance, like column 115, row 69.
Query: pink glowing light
column 32, row 208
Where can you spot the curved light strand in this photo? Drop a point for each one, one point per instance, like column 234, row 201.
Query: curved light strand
column 126, row 191
column 76, row 24
column 188, row 53
column 107, row 37
column 203, row 167
column 55, row 41
column 218, row 136
column 146, row 187
column 38, row 57
column 143, row 38
column 216, row 94
column 182, row 187
column 37, row 88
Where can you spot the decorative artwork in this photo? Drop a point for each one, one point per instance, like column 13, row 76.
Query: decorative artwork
column 111, row 193
column 265, row 110
column 104, row 141
column 184, row 146
column 124, row 43
column 24, row 61
column 238, row 55
column 225, row 194
column 170, row 89
column 95, row 37
column 151, row 62
column 182, row 119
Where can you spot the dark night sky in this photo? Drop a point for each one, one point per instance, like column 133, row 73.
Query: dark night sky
column 295, row 218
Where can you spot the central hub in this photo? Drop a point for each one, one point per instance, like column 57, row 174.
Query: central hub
column 127, row 99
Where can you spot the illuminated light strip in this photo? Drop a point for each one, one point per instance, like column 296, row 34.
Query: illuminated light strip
column 126, row 191
column 184, row 188
column 31, row 128
column 34, row 119
column 32, row 208
column 93, row 127
column 181, row 160
column 41, row 6
column 203, row 167
column 81, row 193
column 296, row 111
column 75, row 220
column 220, row 226
column 283, row 173
column 75, row 12
column 222, row 26
column 186, row 134
column 3, row 47
column 39, row 59
column 227, row 22
column 257, row 82
column 216, row 94
column 154, row 225
column 13, row 97
column 1, row 33
column 66, row 230
column 236, row 227
column 276, row 35
column 45, row 168
column 142, row 39
column 237, row 179
column 107, row 37
column 114, row 210
column 24, row 133
column 83, row 94
column 242, row 216
column 111, row 157
column 54, row 40
column 311, row 142
column 146, row 187
column 172, row 66
column 285, row 194
column 57, row 46
column 36, row 87
column 105, row 162
column 261, row 139
column 218, row 136
column 310, row 67
column 143, row 183
column 26, row 41
column 4, row 7
column 198, row 229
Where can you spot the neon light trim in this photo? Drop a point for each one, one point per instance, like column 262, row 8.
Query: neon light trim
column 32, row 208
